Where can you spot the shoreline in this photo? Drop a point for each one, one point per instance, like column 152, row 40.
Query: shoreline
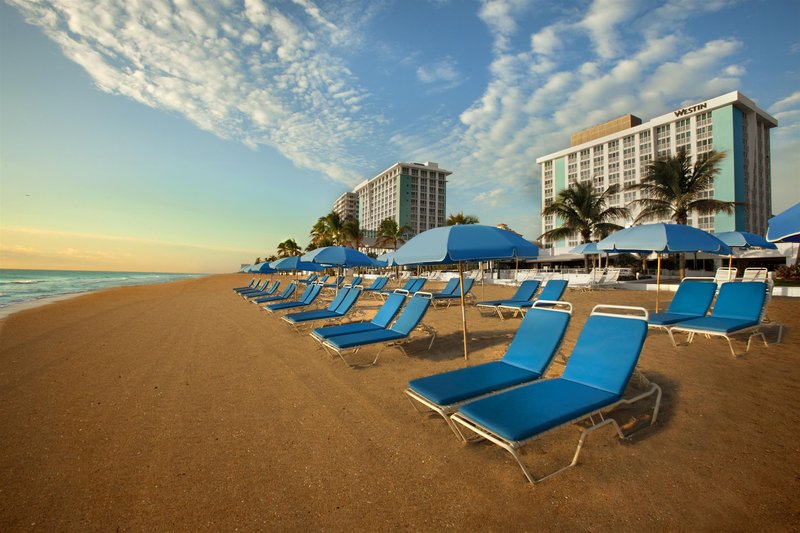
column 27, row 305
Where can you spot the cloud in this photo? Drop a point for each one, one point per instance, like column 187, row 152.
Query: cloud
column 245, row 72
column 444, row 70
column 786, row 103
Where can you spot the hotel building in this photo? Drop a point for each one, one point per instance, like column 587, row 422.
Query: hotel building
column 346, row 206
column 413, row 194
column 619, row 152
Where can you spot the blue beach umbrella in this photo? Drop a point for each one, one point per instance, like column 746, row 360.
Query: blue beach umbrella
column 587, row 248
column 743, row 239
column 386, row 260
column 464, row 243
column 294, row 263
column 340, row 256
column 263, row 268
column 785, row 226
column 663, row 238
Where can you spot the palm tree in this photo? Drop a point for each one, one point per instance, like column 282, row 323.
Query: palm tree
column 288, row 248
column 585, row 212
column 674, row 188
column 353, row 233
column 461, row 218
column 390, row 233
column 328, row 231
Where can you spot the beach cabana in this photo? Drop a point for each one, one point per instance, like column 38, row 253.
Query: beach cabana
column 464, row 243
column 661, row 238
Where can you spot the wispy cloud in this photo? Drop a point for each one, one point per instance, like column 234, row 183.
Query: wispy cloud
column 247, row 72
column 537, row 96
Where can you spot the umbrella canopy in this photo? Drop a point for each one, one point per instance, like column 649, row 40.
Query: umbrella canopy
column 785, row 227
column 587, row 248
column 386, row 260
column 338, row 256
column 246, row 268
column 463, row 243
column 294, row 263
column 744, row 239
column 263, row 268
column 662, row 238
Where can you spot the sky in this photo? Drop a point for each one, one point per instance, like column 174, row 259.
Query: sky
column 195, row 135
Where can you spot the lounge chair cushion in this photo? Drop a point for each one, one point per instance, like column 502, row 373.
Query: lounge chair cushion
column 665, row 319
column 344, row 329
column 352, row 340
column 717, row 324
column 521, row 413
column 606, row 352
column 693, row 298
column 317, row 314
column 459, row 385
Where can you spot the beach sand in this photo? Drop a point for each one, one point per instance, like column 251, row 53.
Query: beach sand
column 180, row 407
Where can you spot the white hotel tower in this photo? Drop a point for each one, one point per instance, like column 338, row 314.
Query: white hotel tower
column 619, row 152
column 413, row 194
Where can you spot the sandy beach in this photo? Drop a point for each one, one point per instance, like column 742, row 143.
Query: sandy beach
column 180, row 407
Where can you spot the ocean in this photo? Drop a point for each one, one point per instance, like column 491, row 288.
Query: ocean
column 20, row 286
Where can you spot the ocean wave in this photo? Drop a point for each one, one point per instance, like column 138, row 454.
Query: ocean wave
column 23, row 282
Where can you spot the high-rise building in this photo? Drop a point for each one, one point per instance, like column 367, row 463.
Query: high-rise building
column 346, row 206
column 413, row 194
column 620, row 151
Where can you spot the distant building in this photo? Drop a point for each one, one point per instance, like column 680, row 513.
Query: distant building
column 620, row 151
column 346, row 206
column 413, row 194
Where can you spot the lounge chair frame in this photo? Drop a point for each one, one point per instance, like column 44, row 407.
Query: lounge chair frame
column 513, row 447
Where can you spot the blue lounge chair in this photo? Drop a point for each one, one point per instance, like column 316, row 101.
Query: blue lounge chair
column 250, row 286
column 452, row 285
column 266, row 292
column 692, row 300
column 445, row 300
column 409, row 320
column 740, row 308
column 337, row 283
column 381, row 320
column 377, row 284
column 552, row 292
column 535, row 344
column 308, row 297
column 287, row 292
column 338, row 308
column 593, row 381
column 524, row 294
column 411, row 286
column 310, row 279
column 256, row 288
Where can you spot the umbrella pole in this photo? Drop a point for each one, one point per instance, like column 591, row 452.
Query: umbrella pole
column 516, row 271
column 730, row 266
column 658, row 280
column 463, row 308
